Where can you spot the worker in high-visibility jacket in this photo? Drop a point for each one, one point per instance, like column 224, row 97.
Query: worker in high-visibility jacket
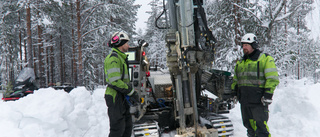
column 118, row 87
column 255, row 79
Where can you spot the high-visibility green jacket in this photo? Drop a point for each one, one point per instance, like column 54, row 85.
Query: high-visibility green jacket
column 255, row 76
column 117, row 74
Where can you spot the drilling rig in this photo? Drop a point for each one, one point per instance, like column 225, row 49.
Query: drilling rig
column 179, row 103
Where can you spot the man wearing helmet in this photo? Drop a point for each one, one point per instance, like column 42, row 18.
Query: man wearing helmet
column 117, row 78
column 254, row 81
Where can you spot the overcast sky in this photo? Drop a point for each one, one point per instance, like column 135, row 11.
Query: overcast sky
column 142, row 15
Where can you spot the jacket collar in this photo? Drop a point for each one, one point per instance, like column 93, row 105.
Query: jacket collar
column 120, row 53
column 253, row 56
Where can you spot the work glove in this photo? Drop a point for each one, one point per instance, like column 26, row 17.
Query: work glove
column 133, row 100
column 234, row 94
column 266, row 101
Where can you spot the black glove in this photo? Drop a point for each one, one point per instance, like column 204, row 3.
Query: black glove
column 133, row 100
column 266, row 101
column 234, row 96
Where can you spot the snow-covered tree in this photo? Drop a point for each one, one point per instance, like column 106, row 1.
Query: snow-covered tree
column 276, row 23
column 156, row 52
column 65, row 41
column 103, row 19
column 9, row 40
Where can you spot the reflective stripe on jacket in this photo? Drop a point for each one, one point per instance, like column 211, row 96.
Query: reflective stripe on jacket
column 117, row 74
column 255, row 76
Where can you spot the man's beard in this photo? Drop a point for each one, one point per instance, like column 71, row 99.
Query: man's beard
column 246, row 52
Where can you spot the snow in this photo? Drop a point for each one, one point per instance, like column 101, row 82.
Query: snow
column 59, row 2
column 293, row 113
column 55, row 113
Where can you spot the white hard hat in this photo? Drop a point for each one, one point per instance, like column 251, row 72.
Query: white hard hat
column 251, row 39
column 118, row 39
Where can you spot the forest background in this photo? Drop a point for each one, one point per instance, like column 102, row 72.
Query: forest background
column 65, row 41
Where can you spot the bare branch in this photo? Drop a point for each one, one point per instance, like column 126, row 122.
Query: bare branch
column 245, row 9
column 92, row 31
column 92, row 10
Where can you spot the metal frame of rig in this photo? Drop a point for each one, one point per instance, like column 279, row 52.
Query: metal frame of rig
column 174, row 100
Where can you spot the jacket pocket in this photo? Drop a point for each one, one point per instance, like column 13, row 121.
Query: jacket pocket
column 120, row 103
column 109, row 100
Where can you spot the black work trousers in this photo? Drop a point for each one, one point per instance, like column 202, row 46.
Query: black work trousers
column 255, row 119
column 119, row 116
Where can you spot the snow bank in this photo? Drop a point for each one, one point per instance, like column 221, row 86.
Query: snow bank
column 55, row 113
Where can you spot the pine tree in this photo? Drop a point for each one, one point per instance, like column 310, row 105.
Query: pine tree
column 9, row 40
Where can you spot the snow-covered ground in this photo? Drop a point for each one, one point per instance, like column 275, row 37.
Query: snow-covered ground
column 293, row 113
column 55, row 113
